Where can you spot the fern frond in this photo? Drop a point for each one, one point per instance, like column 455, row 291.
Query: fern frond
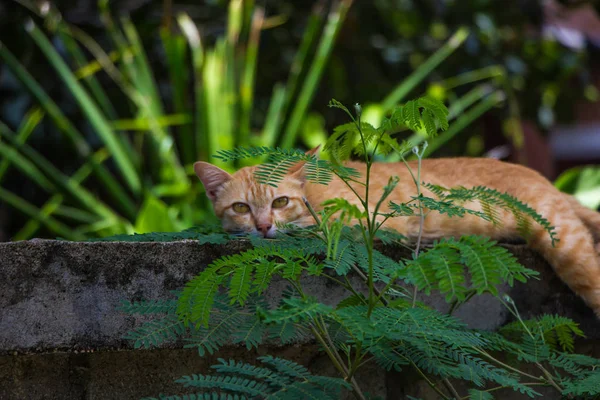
column 501, row 259
column 288, row 332
column 156, row 332
column 239, row 285
column 448, row 207
column 346, row 209
column 488, row 265
column 343, row 261
column 313, row 387
column 240, row 153
column 277, row 379
column 225, row 320
column 342, row 142
column 387, row 359
column 436, row 111
column 273, row 172
column 557, row 331
column 262, row 276
column 229, row 383
column 411, row 115
column 331, row 386
column 389, row 236
column 474, row 255
column 214, row 238
column 497, row 342
column 369, row 135
column 286, row 367
column 533, row 348
column 428, row 121
column 296, row 310
column 382, row 265
column 387, row 144
column 292, row 270
column 319, row 171
column 589, row 386
column 281, row 160
column 333, row 103
column 299, row 391
column 252, row 330
column 425, row 112
column 436, row 343
column 493, row 198
column 564, row 329
column 449, row 276
column 353, row 300
column 477, row 370
column 346, row 173
column 241, row 368
column 197, row 298
column 475, row 394
column 401, row 209
column 574, row 364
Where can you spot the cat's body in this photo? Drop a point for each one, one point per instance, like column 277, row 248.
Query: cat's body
column 574, row 257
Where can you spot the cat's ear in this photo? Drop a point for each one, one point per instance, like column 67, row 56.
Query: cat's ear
column 212, row 178
column 296, row 169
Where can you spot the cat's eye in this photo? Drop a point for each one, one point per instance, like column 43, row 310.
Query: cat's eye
column 240, row 208
column 280, row 202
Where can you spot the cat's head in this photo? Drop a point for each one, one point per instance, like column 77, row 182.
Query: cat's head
column 244, row 205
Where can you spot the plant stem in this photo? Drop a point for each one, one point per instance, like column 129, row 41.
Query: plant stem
column 417, row 181
column 429, row 382
column 495, row 360
column 339, row 364
column 504, row 387
column 450, row 388
column 369, row 234
column 550, row 379
column 456, row 304
column 311, row 211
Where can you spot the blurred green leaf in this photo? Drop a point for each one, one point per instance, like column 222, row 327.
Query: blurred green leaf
column 143, row 124
column 113, row 142
column 81, row 146
column 335, row 20
column 154, row 216
column 583, row 183
column 30, row 122
column 400, row 92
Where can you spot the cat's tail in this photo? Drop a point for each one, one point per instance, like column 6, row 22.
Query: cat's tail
column 590, row 218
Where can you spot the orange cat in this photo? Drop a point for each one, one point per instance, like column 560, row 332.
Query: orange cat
column 243, row 205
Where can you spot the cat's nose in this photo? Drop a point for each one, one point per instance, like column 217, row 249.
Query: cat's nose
column 264, row 228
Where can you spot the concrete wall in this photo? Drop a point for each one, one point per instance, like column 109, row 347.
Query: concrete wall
column 61, row 334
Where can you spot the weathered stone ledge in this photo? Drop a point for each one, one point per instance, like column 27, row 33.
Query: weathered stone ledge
column 58, row 296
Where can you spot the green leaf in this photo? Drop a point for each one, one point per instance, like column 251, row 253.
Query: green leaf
column 114, row 143
column 475, row 394
column 296, row 310
column 239, row 287
column 419, row 74
column 154, row 216
column 156, row 332
column 263, row 275
column 583, row 183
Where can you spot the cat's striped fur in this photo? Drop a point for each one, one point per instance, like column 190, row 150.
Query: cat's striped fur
column 574, row 258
